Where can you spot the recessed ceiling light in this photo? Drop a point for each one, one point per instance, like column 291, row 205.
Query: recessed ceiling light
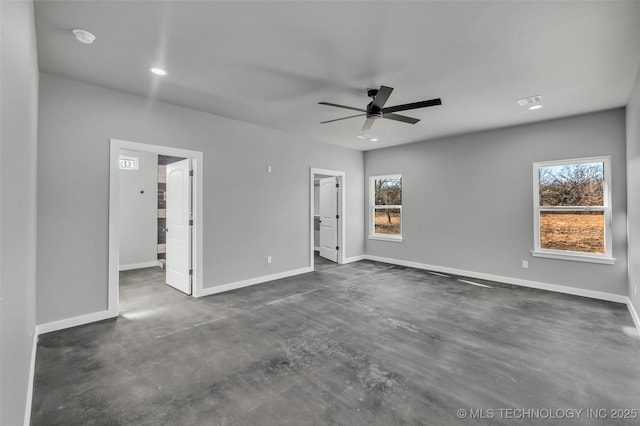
column 158, row 71
column 84, row 36
column 535, row 107
column 374, row 139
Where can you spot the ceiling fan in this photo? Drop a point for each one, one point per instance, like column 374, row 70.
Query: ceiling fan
column 376, row 108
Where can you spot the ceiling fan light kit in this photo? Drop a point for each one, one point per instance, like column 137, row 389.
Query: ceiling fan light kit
column 376, row 109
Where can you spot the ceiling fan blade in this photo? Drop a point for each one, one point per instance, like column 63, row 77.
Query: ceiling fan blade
column 402, row 118
column 343, row 118
column 368, row 123
column 414, row 105
column 381, row 97
column 342, row 106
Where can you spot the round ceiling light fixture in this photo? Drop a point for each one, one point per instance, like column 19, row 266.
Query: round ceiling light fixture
column 158, row 71
column 84, row 36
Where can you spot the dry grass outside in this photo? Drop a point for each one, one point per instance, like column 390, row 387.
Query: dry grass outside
column 583, row 232
column 387, row 224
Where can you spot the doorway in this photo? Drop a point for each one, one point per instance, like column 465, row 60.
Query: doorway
column 327, row 236
column 182, row 170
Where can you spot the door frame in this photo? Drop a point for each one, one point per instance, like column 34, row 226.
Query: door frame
column 342, row 179
column 115, row 146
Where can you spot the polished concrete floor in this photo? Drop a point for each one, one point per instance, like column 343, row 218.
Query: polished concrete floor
column 360, row 344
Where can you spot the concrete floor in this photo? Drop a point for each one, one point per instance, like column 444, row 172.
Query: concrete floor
column 359, row 344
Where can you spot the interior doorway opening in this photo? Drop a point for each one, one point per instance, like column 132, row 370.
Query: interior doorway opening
column 155, row 198
column 155, row 215
column 327, row 236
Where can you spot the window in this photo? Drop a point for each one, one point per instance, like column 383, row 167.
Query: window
column 128, row 163
column 572, row 210
column 385, row 201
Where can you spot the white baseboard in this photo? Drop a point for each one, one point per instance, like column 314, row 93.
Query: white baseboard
column 507, row 280
column 354, row 259
column 634, row 313
column 316, row 249
column 252, row 281
column 99, row 316
column 141, row 265
column 74, row 321
column 32, row 370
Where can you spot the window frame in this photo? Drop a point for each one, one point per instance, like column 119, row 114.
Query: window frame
column 135, row 160
column 373, row 207
column 538, row 251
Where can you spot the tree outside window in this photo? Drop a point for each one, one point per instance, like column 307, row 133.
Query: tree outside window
column 571, row 209
column 386, row 206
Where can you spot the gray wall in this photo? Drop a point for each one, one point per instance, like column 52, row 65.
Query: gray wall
column 467, row 200
column 633, row 195
column 248, row 214
column 139, row 211
column 18, row 143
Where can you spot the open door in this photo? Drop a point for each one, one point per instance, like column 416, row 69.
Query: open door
column 178, row 205
column 329, row 218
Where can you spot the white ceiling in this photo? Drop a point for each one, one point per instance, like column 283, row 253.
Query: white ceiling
column 270, row 63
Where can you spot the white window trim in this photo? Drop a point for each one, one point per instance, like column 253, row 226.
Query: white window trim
column 373, row 207
column 605, row 258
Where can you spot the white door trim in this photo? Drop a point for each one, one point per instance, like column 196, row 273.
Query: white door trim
column 342, row 179
column 115, row 146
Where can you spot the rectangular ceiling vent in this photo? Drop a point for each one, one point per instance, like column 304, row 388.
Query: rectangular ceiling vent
column 531, row 100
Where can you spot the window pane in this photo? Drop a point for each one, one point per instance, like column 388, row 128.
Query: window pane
column 573, row 231
column 580, row 184
column 387, row 221
column 129, row 163
column 388, row 192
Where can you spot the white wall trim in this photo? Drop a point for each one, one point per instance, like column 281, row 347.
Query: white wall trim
column 141, row 265
column 74, row 321
column 634, row 313
column 32, row 370
column 253, row 281
column 556, row 254
column 342, row 211
column 354, row 259
column 507, row 280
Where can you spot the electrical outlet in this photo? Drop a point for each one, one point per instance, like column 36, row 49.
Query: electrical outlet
column 525, row 264
column 268, row 259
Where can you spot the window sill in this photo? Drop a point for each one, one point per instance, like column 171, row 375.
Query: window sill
column 386, row 238
column 574, row 257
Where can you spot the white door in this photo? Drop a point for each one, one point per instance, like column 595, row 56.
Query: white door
column 329, row 218
column 178, row 213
